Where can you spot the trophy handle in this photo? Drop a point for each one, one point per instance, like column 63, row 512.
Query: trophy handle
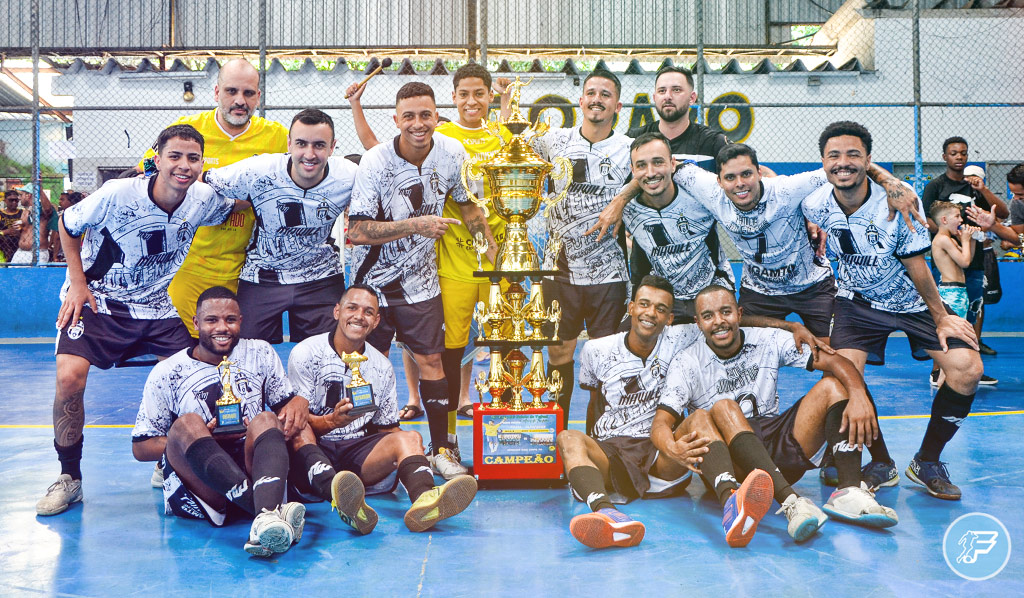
column 470, row 171
column 563, row 171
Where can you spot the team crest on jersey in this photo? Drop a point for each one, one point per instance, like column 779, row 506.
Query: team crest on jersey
column 605, row 165
column 435, row 183
column 323, row 210
column 871, row 232
column 683, row 225
column 75, row 332
column 185, row 232
column 657, row 370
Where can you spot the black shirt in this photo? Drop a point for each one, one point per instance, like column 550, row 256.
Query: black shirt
column 696, row 139
column 939, row 189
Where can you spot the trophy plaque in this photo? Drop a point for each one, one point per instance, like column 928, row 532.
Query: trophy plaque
column 359, row 391
column 229, row 406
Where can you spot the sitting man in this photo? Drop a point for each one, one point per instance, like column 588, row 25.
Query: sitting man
column 369, row 447
column 625, row 374
column 728, row 385
column 210, row 477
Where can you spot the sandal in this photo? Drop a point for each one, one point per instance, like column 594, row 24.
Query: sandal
column 466, row 411
column 415, row 411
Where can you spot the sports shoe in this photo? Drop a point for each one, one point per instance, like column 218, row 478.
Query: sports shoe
column 294, row 513
column 446, row 465
column 876, row 475
column 269, row 534
column 440, row 502
column 60, row 495
column 985, row 349
column 933, row 378
column 858, row 505
column 157, row 479
column 933, row 476
column 987, row 381
column 745, row 508
column 606, row 527
column 805, row 518
column 347, row 495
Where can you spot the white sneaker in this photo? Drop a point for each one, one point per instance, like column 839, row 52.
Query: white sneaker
column 805, row 518
column 858, row 505
column 294, row 513
column 157, row 479
column 269, row 534
column 59, row 496
column 446, row 465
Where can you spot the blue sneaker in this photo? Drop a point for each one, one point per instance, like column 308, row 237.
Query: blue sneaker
column 746, row 507
column 606, row 527
column 877, row 474
column 934, row 477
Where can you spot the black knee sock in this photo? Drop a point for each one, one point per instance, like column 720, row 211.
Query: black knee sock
column 451, row 363
column 879, row 451
column 269, row 470
column 70, row 458
column 718, row 471
column 588, row 483
column 215, row 468
column 949, row 409
column 845, row 457
column 567, row 371
column 415, row 474
column 748, row 452
column 435, row 402
column 312, row 465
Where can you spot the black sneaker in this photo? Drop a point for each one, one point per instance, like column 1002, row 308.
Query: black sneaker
column 985, row 349
column 934, row 477
column 877, row 475
column 987, row 381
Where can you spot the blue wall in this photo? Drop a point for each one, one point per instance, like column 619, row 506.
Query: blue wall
column 29, row 297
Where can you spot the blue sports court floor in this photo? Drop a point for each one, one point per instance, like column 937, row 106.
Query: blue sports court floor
column 509, row 542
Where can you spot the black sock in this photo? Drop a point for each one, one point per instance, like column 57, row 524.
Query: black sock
column 215, row 468
column 949, row 409
column 70, row 458
column 415, row 474
column 588, row 483
column 451, row 363
column 748, row 452
column 718, row 471
column 312, row 465
column 845, row 457
column 879, row 451
column 269, row 470
column 435, row 402
column 567, row 371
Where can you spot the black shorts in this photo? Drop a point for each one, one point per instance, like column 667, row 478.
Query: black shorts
column 310, row 307
column 776, row 433
column 630, row 462
column 420, row 326
column 104, row 339
column 598, row 306
column 814, row 305
column 862, row 327
column 349, row 455
column 181, row 502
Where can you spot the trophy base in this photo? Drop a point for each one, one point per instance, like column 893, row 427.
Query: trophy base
column 516, row 275
column 228, row 430
column 517, row 445
column 509, row 344
column 362, row 410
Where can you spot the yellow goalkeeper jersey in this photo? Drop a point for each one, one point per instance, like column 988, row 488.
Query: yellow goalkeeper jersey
column 456, row 258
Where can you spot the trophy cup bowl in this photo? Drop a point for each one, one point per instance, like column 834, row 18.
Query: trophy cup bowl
column 536, row 383
column 515, row 363
column 229, row 406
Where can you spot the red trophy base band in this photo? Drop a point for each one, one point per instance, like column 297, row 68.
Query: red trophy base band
column 517, row 445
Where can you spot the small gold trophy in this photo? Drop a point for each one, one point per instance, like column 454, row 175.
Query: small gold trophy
column 229, row 407
column 359, row 391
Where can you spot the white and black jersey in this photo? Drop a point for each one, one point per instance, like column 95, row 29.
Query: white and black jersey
column 698, row 378
column 777, row 256
column 628, row 385
column 388, row 188
column 680, row 239
column 318, row 374
column 598, row 171
column 181, row 384
column 131, row 247
column 869, row 248
column 291, row 241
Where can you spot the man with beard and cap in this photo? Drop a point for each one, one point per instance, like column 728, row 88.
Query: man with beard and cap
column 214, row 478
column 232, row 132
column 292, row 262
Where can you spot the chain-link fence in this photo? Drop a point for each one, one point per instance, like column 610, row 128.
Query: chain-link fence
column 769, row 73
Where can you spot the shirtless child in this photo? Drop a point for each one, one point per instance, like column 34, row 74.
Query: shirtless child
column 952, row 251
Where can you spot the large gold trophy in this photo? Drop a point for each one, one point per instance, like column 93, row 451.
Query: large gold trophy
column 514, row 317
